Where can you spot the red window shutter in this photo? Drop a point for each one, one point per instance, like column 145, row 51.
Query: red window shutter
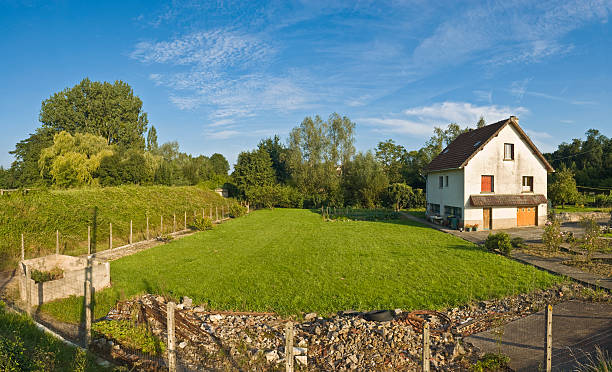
column 485, row 184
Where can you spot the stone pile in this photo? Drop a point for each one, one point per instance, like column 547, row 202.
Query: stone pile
column 344, row 342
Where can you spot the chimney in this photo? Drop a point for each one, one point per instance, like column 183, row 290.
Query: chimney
column 514, row 119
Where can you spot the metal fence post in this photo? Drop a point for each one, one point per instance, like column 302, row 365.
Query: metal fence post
column 426, row 350
column 289, row 347
column 171, row 337
column 548, row 364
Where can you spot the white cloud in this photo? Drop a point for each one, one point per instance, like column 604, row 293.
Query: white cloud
column 420, row 121
column 538, row 135
column 462, row 113
column 223, row 134
column 398, row 126
column 221, row 123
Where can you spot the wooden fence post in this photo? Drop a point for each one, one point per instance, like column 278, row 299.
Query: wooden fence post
column 161, row 226
column 88, row 240
column 22, row 248
column 131, row 232
column 28, row 288
column 56, row 241
column 289, row 347
column 216, row 213
column 210, row 213
column 171, row 337
column 110, row 235
column 548, row 364
column 147, row 227
column 426, row 350
column 88, row 307
column 174, row 223
column 185, row 220
column 202, row 213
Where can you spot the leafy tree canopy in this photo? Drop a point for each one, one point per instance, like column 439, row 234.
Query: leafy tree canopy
column 111, row 111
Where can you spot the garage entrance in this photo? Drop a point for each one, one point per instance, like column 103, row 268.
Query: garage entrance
column 526, row 216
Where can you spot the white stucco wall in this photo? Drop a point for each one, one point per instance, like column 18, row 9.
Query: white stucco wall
column 507, row 174
column 446, row 196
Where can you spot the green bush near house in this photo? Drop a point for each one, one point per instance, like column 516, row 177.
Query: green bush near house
column 202, row 224
column 499, row 241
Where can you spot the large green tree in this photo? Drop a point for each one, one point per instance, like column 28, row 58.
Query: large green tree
column 278, row 155
column 364, row 180
column 109, row 110
column 73, row 160
column 253, row 169
column 563, row 189
column 393, row 159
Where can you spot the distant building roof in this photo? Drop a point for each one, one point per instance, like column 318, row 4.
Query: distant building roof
column 505, row 200
column 459, row 152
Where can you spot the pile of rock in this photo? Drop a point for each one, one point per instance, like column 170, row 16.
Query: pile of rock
column 346, row 341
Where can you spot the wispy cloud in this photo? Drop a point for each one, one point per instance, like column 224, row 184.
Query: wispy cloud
column 519, row 90
column 420, row 121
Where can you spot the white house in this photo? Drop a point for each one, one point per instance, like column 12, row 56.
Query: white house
column 493, row 176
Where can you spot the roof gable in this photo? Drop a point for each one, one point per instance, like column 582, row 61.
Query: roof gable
column 459, row 152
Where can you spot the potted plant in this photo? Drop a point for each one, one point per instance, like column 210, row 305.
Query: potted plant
column 475, row 227
column 468, row 227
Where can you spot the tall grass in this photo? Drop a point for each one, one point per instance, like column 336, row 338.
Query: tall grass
column 39, row 214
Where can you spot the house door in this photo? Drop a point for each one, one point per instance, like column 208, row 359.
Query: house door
column 526, row 216
column 487, row 221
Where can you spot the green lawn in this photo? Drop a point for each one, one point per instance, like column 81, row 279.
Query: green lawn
column 573, row 208
column 23, row 347
column 291, row 261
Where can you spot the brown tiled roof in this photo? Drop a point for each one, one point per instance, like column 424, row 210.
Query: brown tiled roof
column 507, row 200
column 466, row 145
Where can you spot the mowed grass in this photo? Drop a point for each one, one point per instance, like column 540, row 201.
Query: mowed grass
column 290, row 261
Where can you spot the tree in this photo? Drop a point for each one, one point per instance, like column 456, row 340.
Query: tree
column 152, row 139
column 277, row 154
column 108, row 110
column 27, row 153
column 563, row 189
column 219, row 163
column 72, row 160
column 364, row 180
column 253, row 169
column 481, row 122
column 399, row 195
column 393, row 158
column 316, row 155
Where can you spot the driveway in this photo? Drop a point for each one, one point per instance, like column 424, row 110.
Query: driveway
column 577, row 327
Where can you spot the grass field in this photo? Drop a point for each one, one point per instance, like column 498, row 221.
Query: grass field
column 572, row 208
column 23, row 347
column 39, row 214
column 291, row 261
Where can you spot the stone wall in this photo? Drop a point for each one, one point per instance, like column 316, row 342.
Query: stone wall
column 72, row 283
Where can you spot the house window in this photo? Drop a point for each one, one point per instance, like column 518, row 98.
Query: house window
column 441, row 182
column 486, row 184
column 434, row 208
column 508, row 151
column 528, row 183
column 452, row 211
column 446, row 181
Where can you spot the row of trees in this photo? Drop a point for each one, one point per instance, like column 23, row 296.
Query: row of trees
column 320, row 167
column 94, row 133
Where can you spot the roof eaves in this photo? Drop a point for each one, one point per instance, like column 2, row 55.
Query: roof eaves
column 484, row 144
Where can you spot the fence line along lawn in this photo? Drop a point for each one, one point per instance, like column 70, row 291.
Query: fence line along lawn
column 290, row 261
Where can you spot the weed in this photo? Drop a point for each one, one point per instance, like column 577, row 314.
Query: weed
column 491, row 362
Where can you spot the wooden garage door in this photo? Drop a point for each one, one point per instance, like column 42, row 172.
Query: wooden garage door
column 526, row 216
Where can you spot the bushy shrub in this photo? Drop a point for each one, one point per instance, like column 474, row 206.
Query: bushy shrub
column 275, row 196
column 552, row 236
column 500, row 241
column 237, row 210
column 491, row 362
column 592, row 232
column 202, row 224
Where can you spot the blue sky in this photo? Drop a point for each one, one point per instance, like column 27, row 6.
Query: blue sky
column 219, row 76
